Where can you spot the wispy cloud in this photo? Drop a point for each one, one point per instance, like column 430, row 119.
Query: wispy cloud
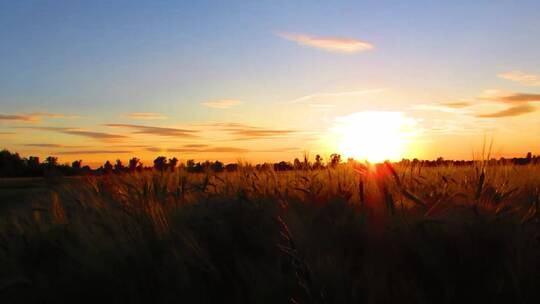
column 53, row 146
column 520, row 77
column 86, row 152
column 53, row 115
column 221, row 103
column 16, row 117
column 146, row 116
column 520, row 97
column 228, row 126
column 330, row 44
column 513, row 111
column 277, row 150
column 245, row 132
column 509, row 97
column 195, row 150
column 196, row 146
column 187, row 149
column 81, row 132
column 457, row 104
column 261, row 133
column 161, row 131
column 35, row 116
column 335, row 94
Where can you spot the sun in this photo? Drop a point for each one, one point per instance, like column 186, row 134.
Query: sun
column 374, row 136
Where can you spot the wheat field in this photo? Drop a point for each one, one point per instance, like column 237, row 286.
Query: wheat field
column 345, row 234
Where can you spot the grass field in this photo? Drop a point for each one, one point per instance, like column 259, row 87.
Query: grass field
column 384, row 234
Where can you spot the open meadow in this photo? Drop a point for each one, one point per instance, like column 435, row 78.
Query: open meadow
column 344, row 234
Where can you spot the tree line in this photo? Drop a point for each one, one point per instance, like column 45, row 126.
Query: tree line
column 13, row 165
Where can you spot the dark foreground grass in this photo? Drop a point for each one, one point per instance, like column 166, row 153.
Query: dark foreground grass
column 440, row 235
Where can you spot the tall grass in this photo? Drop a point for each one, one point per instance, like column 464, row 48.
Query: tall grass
column 348, row 234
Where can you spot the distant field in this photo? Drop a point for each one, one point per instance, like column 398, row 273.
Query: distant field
column 20, row 192
column 17, row 193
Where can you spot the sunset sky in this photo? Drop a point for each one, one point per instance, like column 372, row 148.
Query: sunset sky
column 268, row 80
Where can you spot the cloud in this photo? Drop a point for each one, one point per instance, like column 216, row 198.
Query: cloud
column 53, row 115
column 146, row 116
column 80, row 132
column 52, row 146
column 513, row 111
column 229, row 126
column 35, row 116
column 187, row 149
column 457, row 104
column 194, row 150
column 221, row 104
column 260, row 133
column 85, row 152
column 335, row 94
column 245, row 132
column 509, row 97
column 330, row 44
column 521, row 78
column 520, row 97
column 195, row 146
column 16, row 117
column 277, row 150
column 160, row 131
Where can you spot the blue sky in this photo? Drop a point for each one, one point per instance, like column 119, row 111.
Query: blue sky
column 102, row 59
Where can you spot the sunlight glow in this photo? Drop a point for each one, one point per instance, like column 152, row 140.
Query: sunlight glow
column 374, row 136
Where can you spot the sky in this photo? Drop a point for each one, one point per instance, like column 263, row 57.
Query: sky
column 269, row 80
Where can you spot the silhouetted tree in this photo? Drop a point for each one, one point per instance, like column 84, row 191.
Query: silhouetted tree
column 34, row 166
column 231, row 167
column 283, row 166
column 76, row 165
column 10, row 164
column 172, row 163
column 108, row 167
column 119, row 166
column 160, row 163
column 133, row 164
column 318, row 162
column 335, row 159
column 217, row 166
column 51, row 161
column 190, row 165
column 297, row 164
column 33, row 162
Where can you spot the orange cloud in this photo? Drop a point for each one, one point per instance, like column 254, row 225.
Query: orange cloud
column 521, row 78
column 520, row 97
column 513, row 111
column 330, row 44
column 16, row 117
column 222, row 103
column 194, row 150
column 86, row 152
column 146, row 115
column 140, row 129
column 35, row 116
column 80, row 132
column 53, row 115
column 52, row 146
column 245, row 132
column 456, row 105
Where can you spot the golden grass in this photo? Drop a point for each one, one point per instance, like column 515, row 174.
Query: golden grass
column 346, row 234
